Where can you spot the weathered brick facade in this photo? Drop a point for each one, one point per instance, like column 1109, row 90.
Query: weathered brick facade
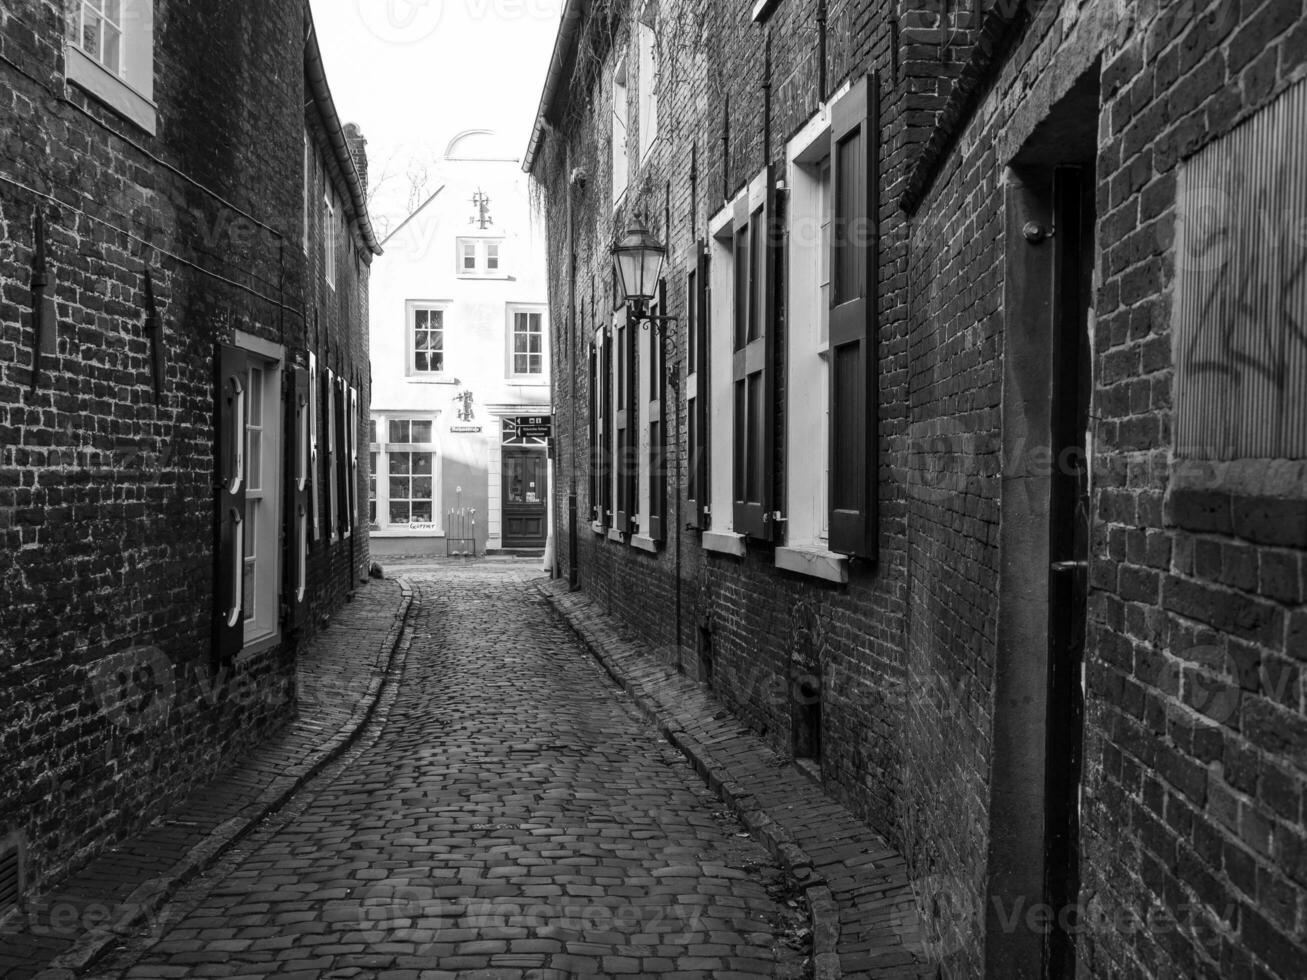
column 1191, row 827
column 113, row 703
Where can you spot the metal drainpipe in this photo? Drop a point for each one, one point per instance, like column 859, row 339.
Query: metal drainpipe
column 573, row 577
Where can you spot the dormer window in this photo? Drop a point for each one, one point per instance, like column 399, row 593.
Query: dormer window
column 480, row 258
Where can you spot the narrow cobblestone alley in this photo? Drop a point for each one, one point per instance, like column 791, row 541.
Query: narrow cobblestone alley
column 507, row 815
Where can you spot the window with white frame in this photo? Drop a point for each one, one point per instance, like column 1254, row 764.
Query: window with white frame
column 329, row 239
column 647, row 83
column 480, row 258
column 111, row 54
column 526, row 351
column 426, row 340
column 404, row 492
column 808, row 316
column 308, row 189
column 262, row 498
column 621, row 169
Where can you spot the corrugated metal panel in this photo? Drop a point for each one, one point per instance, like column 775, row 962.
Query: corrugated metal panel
column 1241, row 290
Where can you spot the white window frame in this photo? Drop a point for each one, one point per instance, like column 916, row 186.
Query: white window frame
column 333, row 461
column 620, row 133
column 647, row 82
column 807, row 385
column 315, row 504
column 481, row 257
column 542, row 376
column 129, row 91
column 329, row 238
column 263, row 629
column 383, row 449
column 411, row 308
column 644, row 342
column 308, row 189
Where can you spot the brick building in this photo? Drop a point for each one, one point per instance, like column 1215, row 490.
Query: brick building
column 972, row 471
column 184, row 252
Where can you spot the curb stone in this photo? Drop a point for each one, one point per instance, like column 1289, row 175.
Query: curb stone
column 151, row 895
column 823, row 912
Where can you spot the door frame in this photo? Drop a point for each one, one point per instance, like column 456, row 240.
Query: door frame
column 543, row 455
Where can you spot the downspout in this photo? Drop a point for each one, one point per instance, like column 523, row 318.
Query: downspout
column 573, row 575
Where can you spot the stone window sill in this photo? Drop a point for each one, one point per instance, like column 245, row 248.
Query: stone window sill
column 598, row 528
column 644, row 543
column 724, row 542
column 92, row 77
column 815, row 562
column 614, row 535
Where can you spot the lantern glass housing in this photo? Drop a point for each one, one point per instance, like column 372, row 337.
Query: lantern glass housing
column 639, row 259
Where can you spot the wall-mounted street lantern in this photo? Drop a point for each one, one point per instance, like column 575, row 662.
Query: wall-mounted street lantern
column 638, row 259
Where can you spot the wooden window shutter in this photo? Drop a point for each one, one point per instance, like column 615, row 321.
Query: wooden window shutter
column 657, row 424
column 315, row 503
column 333, row 458
column 353, row 455
column 625, row 459
column 752, row 376
column 606, row 435
column 342, row 454
column 297, row 495
column 854, row 380
column 592, row 435
column 697, row 380
column 229, row 574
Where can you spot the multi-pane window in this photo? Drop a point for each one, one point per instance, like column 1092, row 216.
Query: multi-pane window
column 110, row 53
column 96, row 28
column 329, row 240
column 427, row 354
column 410, row 470
column 647, row 82
column 372, row 482
column 528, row 343
column 480, row 258
column 254, row 536
column 621, row 170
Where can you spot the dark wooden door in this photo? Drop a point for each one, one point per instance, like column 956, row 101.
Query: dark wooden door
column 524, row 493
column 1073, row 219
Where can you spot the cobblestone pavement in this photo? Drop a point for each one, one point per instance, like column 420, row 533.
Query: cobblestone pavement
column 510, row 816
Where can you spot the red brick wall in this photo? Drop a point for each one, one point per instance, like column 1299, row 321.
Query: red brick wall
column 106, row 495
column 1195, row 598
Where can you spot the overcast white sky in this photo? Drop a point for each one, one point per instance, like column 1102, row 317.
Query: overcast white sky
column 413, row 73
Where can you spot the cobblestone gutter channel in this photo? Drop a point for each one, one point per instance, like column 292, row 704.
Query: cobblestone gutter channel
column 863, row 917
column 338, row 694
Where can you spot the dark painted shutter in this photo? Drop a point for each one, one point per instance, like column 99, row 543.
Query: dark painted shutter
column 331, row 483
column 657, row 424
column 854, row 392
column 342, row 455
column 625, row 459
column 696, row 407
column 606, row 435
column 229, row 571
column 297, row 525
column 315, row 479
column 751, row 375
column 592, row 437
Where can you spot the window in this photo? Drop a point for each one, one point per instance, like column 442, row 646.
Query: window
column 426, row 339
column 329, row 239
column 624, row 425
column 740, row 407
column 403, row 494
column 480, row 258
column 110, row 54
column 601, row 395
column 653, row 478
column 807, row 360
column 308, row 189
column 527, row 344
column 333, row 458
column 621, row 169
column 372, row 482
column 247, row 607
column 646, row 39
column 696, row 386
column 315, row 503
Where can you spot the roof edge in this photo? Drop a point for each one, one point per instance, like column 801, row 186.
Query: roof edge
column 564, row 51
column 316, row 74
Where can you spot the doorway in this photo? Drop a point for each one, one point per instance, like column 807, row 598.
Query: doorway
column 1038, row 730
column 524, row 505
